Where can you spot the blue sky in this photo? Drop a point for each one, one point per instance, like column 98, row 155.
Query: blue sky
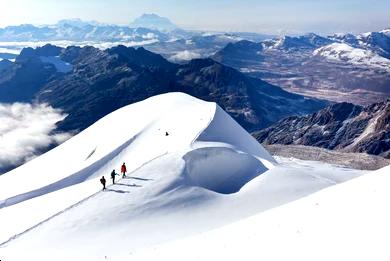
column 278, row 16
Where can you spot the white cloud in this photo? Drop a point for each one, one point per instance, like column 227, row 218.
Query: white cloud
column 185, row 56
column 25, row 130
column 16, row 47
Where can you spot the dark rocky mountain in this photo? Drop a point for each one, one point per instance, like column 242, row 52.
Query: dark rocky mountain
column 342, row 126
column 20, row 81
column 317, row 66
column 253, row 102
column 7, row 56
column 101, row 81
column 4, row 64
column 240, row 54
column 29, row 53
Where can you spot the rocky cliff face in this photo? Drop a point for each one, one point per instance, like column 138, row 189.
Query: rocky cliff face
column 343, row 126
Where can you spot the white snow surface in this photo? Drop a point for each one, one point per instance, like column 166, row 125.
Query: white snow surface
column 357, row 56
column 386, row 31
column 208, row 172
column 345, row 222
column 59, row 64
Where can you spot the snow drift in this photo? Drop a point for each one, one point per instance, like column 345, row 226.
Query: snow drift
column 345, row 222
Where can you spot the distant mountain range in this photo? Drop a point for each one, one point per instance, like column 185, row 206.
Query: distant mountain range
column 342, row 126
column 88, row 83
column 77, row 30
column 143, row 30
column 146, row 29
column 157, row 34
column 341, row 67
column 346, row 67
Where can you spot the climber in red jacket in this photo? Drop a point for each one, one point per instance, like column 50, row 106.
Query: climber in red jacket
column 123, row 170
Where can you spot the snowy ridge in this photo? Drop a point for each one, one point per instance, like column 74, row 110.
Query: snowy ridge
column 204, row 174
column 85, row 166
column 48, row 177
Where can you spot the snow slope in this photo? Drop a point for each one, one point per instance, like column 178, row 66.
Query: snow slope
column 204, row 174
column 345, row 222
column 352, row 55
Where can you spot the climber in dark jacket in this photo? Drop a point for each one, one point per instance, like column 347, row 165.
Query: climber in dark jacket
column 103, row 181
column 113, row 174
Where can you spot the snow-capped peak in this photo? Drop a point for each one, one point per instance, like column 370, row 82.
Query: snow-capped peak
column 346, row 53
column 155, row 22
column 386, row 31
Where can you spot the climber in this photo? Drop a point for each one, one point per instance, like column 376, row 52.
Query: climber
column 113, row 174
column 103, row 181
column 123, row 170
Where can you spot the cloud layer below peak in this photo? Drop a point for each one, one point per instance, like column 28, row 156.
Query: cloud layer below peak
column 26, row 131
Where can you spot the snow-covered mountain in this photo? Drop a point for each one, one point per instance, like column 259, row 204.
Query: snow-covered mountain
column 378, row 42
column 343, row 67
column 342, row 52
column 191, row 168
column 155, row 22
column 308, row 41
